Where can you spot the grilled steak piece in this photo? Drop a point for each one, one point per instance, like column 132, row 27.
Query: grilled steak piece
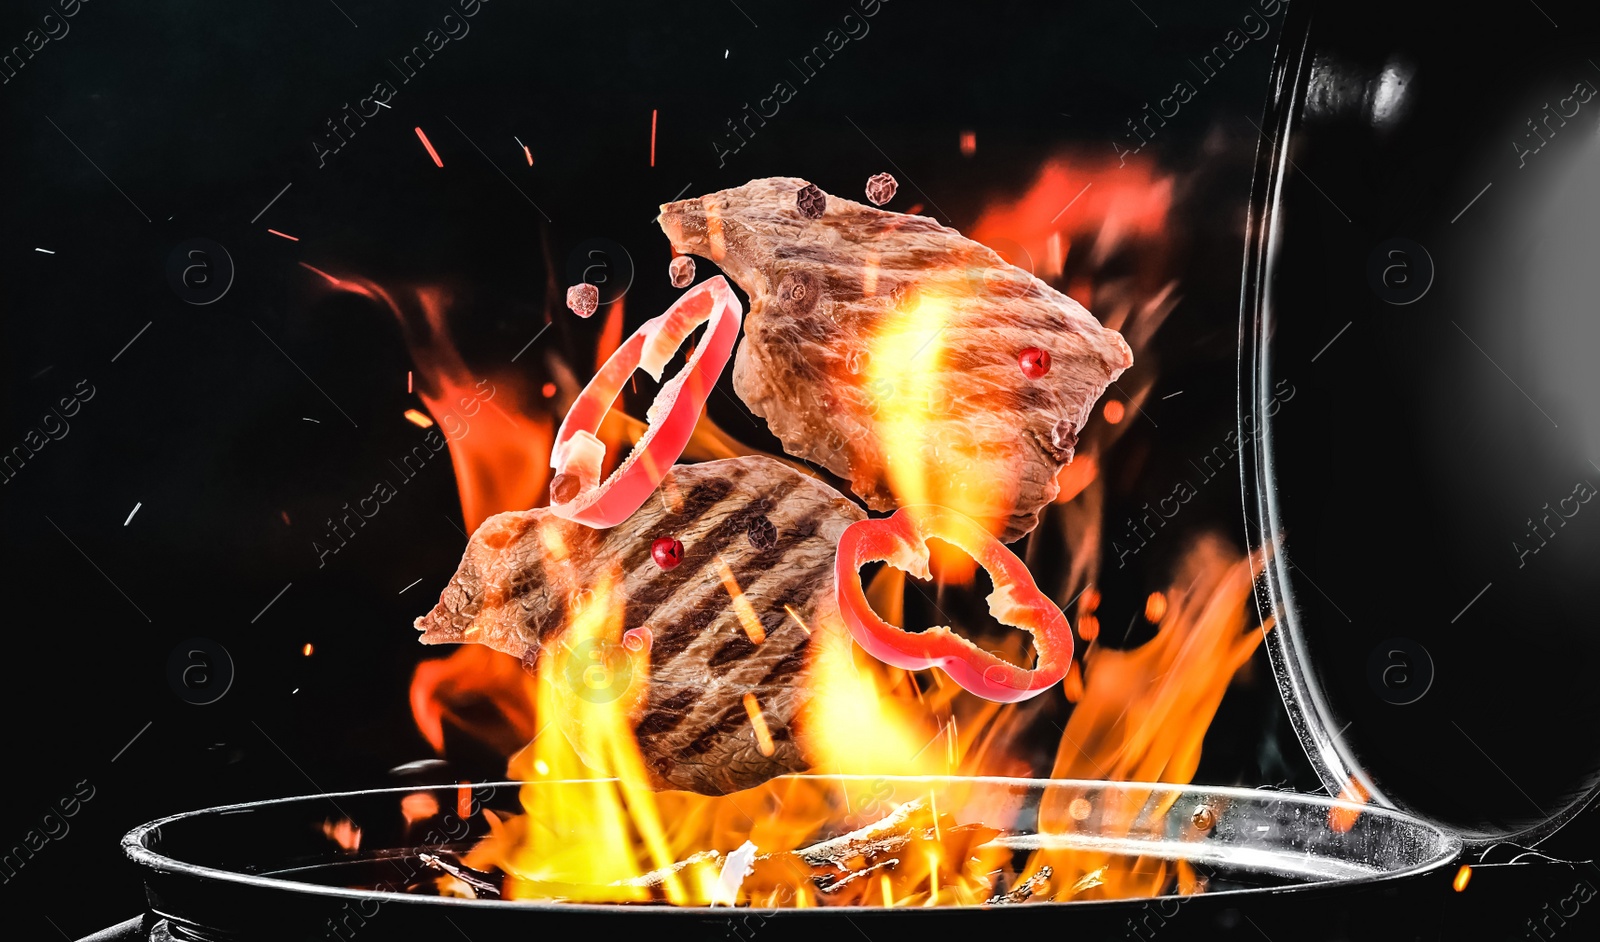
column 755, row 522
column 885, row 348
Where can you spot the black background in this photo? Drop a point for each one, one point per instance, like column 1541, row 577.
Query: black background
column 201, row 113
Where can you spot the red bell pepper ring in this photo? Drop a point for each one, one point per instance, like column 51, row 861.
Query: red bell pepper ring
column 576, row 492
column 902, row 541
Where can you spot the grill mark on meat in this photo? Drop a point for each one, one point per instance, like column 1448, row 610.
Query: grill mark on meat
column 727, row 721
column 700, row 498
column 675, row 637
column 664, row 716
column 735, row 648
column 692, row 727
column 790, row 663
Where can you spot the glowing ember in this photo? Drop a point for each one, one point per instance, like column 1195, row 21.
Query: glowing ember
column 285, row 235
column 969, row 143
column 741, row 605
column 1114, row 411
column 1343, row 819
column 419, row 419
column 1155, row 607
column 344, row 833
column 1463, row 877
column 797, row 619
column 759, row 723
column 429, row 145
column 419, row 806
column 306, row 650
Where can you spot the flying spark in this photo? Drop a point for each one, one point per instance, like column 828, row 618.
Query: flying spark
column 45, row 251
column 419, row 419
column 284, row 235
column 429, row 145
column 136, row 506
column 652, row 137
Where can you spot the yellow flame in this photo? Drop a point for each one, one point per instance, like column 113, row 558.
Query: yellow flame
column 903, row 376
column 582, row 840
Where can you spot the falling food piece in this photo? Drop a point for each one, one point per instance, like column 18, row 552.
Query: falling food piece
column 935, row 413
column 510, row 593
column 901, row 540
column 583, row 299
column 667, row 552
column 811, row 201
column 1034, row 362
column 681, row 271
column 605, row 501
column 429, row 145
column 1114, row 411
column 881, row 188
column 419, row 419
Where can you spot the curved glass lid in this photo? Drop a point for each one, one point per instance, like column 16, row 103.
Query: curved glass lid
column 1420, row 391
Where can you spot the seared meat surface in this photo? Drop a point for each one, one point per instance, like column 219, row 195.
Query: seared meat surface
column 751, row 525
column 886, row 348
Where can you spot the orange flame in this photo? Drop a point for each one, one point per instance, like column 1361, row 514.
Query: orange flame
column 594, row 831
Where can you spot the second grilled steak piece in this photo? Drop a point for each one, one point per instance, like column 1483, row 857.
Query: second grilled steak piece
column 528, row 575
column 885, row 348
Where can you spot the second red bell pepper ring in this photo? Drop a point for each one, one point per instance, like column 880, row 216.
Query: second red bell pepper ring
column 901, row 540
column 577, row 492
